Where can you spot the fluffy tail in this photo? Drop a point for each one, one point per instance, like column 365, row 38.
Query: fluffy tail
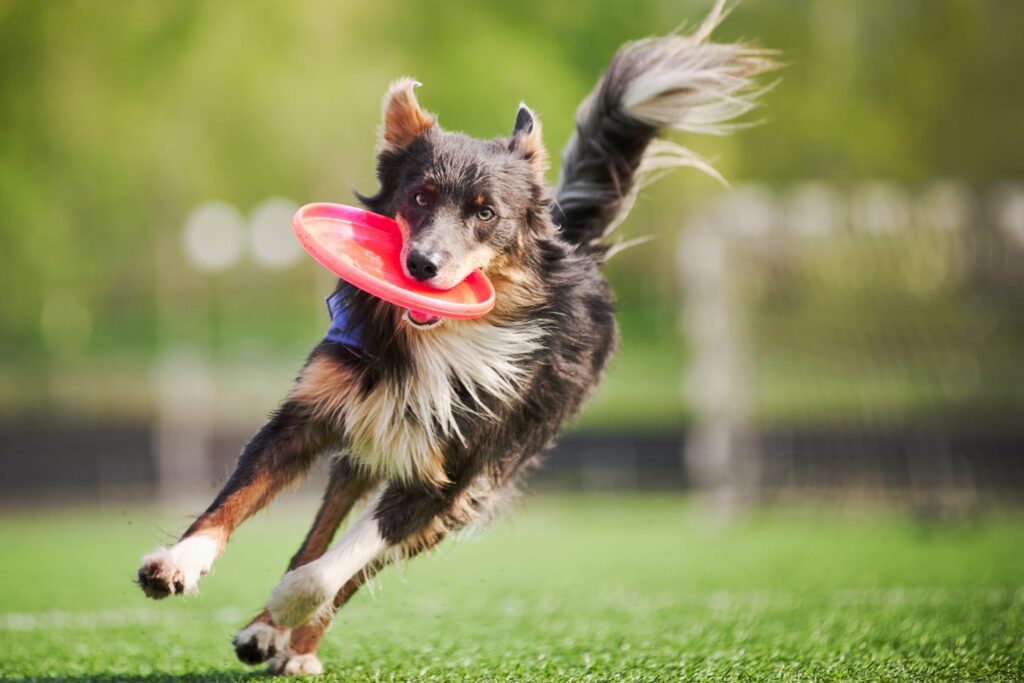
column 675, row 82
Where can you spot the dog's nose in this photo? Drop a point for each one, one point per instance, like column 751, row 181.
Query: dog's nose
column 422, row 266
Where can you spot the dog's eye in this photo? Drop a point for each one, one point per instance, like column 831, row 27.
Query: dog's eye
column 421, row 199
column 485, row 213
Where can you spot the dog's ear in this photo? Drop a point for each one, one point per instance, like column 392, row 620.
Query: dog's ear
column 528, row 140
column 403, row 118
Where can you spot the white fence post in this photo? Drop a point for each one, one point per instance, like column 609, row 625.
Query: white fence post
column 184, row 424
column 719, row 453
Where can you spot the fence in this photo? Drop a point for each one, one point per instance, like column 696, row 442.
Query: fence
column 862, row 342
column 870, row 340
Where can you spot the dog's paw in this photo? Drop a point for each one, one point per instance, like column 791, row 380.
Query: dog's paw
column 295, row 665
column 258, row 642
column 302, row 596
column 177, row 570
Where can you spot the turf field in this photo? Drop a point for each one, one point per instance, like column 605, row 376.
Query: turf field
column 568, row 588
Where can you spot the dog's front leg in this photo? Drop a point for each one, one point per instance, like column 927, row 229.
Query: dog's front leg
column 261, row 638
column 280, row 452
column 300, row 656
column 400, row 521
column 306, row 594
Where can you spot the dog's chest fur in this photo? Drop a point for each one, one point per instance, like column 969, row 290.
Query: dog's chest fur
column 398, row 428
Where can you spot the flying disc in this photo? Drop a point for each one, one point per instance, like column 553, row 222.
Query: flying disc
column 365, row 248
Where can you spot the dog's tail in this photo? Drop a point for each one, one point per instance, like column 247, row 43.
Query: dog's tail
column 674, row 82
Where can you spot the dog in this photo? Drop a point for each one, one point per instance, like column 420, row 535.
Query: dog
column 433, row 422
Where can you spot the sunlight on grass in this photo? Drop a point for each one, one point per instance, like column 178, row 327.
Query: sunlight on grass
column 611, row 587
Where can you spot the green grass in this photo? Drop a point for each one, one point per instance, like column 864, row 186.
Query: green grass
column 570, row 588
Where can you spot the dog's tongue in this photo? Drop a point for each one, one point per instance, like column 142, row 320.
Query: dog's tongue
column 423, row 319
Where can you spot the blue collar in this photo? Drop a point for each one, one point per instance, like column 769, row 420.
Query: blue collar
column 342, row 330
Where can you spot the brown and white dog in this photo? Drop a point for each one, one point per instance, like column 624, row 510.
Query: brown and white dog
column 434, row 422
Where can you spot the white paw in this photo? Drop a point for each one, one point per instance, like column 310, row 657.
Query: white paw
column 177, row 570
column 295, row 665
column 302, row 595
column 258, row 642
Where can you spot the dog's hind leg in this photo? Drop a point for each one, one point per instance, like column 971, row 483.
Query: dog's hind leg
column 280, row 452
column 261, row 639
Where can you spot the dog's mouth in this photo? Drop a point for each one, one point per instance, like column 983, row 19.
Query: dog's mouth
column 421, row 322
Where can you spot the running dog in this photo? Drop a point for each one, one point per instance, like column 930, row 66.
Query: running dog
column 433, row 422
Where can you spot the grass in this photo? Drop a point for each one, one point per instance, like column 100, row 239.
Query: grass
column 568, row 588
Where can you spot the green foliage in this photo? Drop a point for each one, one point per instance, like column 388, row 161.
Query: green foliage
column 601, row 588
column 120, row 117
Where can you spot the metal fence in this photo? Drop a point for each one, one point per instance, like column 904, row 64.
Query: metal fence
column 867, row 340
column 864, row 341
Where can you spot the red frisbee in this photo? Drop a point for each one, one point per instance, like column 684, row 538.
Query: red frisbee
column 364, row 249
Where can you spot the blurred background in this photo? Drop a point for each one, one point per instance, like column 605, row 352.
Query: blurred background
column 846, row 322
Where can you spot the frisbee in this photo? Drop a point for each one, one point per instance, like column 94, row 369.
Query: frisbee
column 365, row 250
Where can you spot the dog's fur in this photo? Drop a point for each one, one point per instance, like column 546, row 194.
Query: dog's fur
column 436, row 419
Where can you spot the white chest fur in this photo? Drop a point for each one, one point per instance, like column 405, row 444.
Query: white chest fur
column 396, row 430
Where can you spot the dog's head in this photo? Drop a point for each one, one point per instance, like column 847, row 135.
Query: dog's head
column 462, row 203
